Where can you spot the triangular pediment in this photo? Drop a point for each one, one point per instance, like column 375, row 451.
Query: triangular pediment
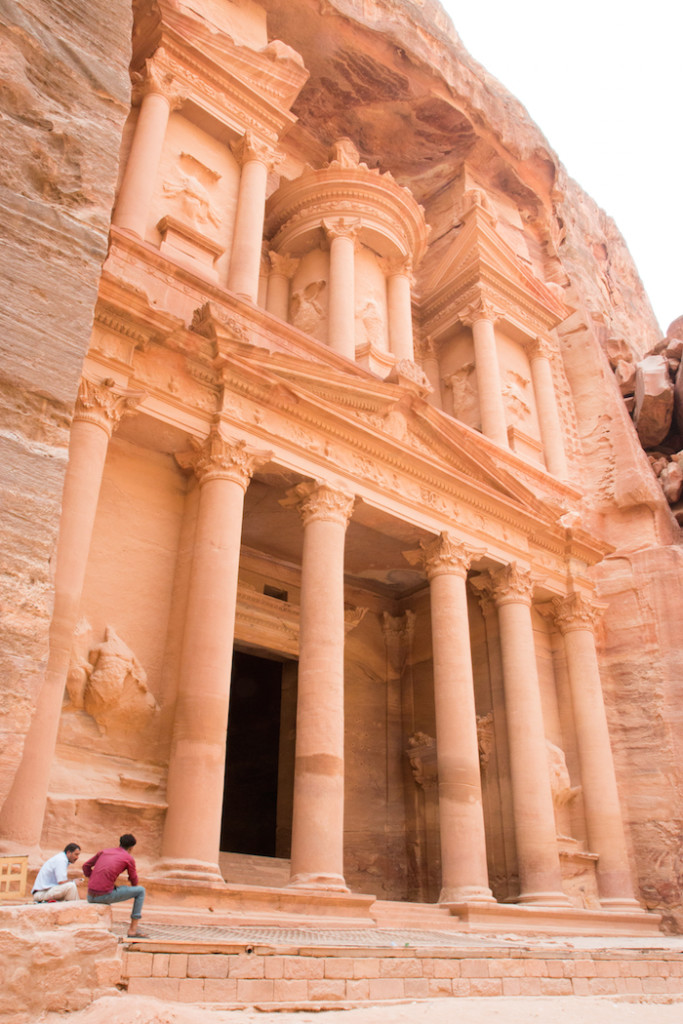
column 480, row 258
column 394, row 416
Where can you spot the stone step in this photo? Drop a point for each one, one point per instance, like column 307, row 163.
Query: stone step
column 320, row 976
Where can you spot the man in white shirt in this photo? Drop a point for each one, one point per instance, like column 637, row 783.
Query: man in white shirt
column 52, row 882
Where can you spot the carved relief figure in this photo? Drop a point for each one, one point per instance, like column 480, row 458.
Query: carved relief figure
column 515, row 394
column 307, row 313
column 80, row 669
column 560, row 783
column 371, row 323
column 464, row 393
column 193, row 198
column 116, row 694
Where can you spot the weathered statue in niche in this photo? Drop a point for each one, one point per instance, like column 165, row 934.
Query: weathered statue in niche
column 306, row 311
column 109, row 684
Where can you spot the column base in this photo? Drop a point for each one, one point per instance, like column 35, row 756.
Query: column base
column 543, row 899
column 188, row 870
column 321, row 882
column 467, row 894
column 621, row 903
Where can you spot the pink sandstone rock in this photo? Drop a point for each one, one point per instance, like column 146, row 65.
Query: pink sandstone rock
column 654, row 400
column 426, row 352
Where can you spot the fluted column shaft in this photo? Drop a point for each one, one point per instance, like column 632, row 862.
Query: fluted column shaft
column 98, row 410
column 464, row 873
column 489, row 387
column 318, row 815
column 575, row 618
column 341, row 331
column 539, row 865
column 196, row 771
column 546, row 407
column 245, row 258
column 139, row 177
column 399, row 311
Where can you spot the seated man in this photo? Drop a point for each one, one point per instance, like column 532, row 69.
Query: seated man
column 52, row 881
column 103, row 869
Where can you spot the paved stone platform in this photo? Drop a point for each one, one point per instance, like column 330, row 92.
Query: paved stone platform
column 314, row 968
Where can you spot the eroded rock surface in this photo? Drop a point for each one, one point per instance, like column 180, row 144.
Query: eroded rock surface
column 63, row 101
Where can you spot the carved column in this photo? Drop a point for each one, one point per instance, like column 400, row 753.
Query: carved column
column 139, row 178
column 539, row 865
column 464, row 872
column 540, row 355
column 341, row 331
column 256, row 159
column 399, row 307
column 481, row 318
column 318, row 817
column 192, row 828
column 429, row 361
column 282, row 270
column 99, row 409
column 505, row 866
column 576, row 617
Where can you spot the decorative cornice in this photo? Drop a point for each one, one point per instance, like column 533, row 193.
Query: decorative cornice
column 105, row 404
column 217, row 458
column 318, row 502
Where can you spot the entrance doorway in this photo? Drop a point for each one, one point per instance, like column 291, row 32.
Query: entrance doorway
column 259, row 767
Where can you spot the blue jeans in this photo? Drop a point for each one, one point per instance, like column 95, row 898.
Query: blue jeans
column 122, row 892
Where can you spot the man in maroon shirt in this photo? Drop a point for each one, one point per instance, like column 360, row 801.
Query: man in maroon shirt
column 104, row 868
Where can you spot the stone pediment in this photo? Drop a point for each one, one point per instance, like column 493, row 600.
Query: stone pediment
column 276, row 71
column 394, row 416
column 480, row 263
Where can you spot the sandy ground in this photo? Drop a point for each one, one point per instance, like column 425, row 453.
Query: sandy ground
column 557, row 1009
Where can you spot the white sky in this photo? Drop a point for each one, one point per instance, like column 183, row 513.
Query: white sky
column 603, row 79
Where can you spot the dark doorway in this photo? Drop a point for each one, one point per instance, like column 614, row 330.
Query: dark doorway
column 250, row 805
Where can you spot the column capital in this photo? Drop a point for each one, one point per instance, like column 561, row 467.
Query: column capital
column 251, row 147
column 426, row 348
column 105, row 404
column 482, row 308
column 219, row 458
column 512, row 584
column 283, row 264
column 159, row 79
column 398, row 629
column 443, row 556
column 316, row 502
column 341, row 228
column 541, row 348
column 576, row 612
column 398, row 266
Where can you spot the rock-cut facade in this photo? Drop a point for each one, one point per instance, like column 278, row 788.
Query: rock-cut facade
column 330, row 546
